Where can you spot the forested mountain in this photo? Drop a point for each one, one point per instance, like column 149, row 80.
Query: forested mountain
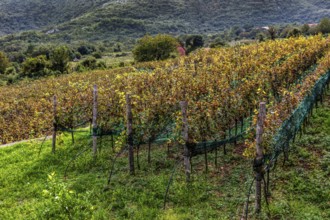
column 104, row 19
column 18, row 15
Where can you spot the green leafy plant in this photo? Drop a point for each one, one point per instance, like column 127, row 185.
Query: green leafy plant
column 62, row 203
column 324, row 26
column 60, row 58
column 36, row 67
column 151, row 48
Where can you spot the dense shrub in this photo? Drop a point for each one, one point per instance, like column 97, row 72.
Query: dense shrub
column 17, row 57
column 194, row 42
column 305, row 29
column 151, row 48
column 260, row 37
column 285, row 31
column 42, row 50
column 4, row 62
column 77, row 55
column 89, row 63
column 60, row 58
column 324, row 26
column 117, row 48
column 272, row 33
column 11, row 70
column 30, row 49
column 121, row 54
column 36, row 67
column 101, row 65
column 121, row 64
column 97, row 55
column 295, row 32
column 218, row 42
column 12, row 79
column 86, row 49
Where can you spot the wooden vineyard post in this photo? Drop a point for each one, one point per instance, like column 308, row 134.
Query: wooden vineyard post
column 149, row 151
column 224, row 146
column 129, row 116
column 242, row 125
column 186, row 153
column 205, row 157
column 137, row 157
column 94, row 122
column 54, row 124
column 259, row 155
column 236, row 131
column 216, row 156
column 72, row 135
column 112, row 142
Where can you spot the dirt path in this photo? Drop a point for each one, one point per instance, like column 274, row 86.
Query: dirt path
column 25, row 141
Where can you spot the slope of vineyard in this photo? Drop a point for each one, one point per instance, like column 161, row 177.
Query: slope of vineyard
column 221, row 86
column 33, row 186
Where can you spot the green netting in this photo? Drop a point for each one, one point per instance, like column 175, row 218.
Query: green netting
column 233, row 135
column 206, row 146
column 292, row 125
column 98, row 131
column 202, row 147
column 280, row 143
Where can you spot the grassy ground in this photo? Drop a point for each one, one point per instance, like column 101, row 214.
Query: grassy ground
column 301, row 189
column 34, row 186
column 115, row 59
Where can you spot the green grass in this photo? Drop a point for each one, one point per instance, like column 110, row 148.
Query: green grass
column 24, row 177
column 34, row 187
column 115, row 59
column 301, row 189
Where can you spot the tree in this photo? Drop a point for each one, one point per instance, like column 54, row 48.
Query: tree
column 17, row 57
column 89, row 63
column 117, row 48
column 218, row 42
column 4, row 62
column 235, row 31
column 272, row 32
column 194, row 42
column 305, row 29
column 60, row 58
column 150, row 48
column 86, row 49
column 285, row 31
column 260, row 37
column 30, row 49
column 295, row 32
column 36, row 66
column 41, row 50
column 324, row 26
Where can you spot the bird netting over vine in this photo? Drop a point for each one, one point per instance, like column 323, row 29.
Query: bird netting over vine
column 293, row 124
column 280, row 142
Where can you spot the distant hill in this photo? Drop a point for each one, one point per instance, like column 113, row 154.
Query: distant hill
column 117, row 19
column 20, row 15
